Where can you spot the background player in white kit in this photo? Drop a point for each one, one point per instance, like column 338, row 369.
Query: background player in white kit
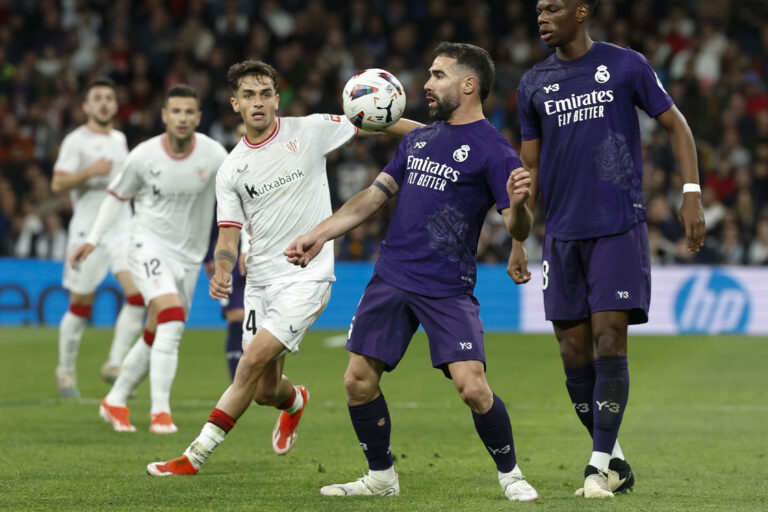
column 88, row 157
column 274, row 183
column 171, row 178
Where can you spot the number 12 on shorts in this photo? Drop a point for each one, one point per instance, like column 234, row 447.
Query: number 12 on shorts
column 152, row 267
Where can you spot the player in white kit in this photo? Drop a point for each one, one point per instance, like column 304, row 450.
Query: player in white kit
column 171, row 178
column 274, row 185
column 89, row 156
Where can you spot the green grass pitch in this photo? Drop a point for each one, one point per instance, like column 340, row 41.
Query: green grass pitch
column 696, row 431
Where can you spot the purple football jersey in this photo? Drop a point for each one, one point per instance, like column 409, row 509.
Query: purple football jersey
column 583, row 110
column 449, row 177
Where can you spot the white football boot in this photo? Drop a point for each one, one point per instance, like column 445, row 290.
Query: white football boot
column 365, row 486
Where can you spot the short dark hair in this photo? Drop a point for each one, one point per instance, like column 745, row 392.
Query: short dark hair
column 180, row 91
column 99, row 81
column 251, row 67
column 474, row 58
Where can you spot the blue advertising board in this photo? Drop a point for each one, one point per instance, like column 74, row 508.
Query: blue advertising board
column 31, row 294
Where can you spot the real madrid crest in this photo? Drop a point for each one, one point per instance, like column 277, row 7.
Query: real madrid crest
column 602, row 75
column 462, row 153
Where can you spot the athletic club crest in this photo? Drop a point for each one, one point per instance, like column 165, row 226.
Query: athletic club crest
column 602, row 75
column 462, row 153
column 292, row 145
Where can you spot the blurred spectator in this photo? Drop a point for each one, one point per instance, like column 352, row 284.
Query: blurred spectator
column 14, row 145
column 758, row 248
column 731, row 250
column 714, row 211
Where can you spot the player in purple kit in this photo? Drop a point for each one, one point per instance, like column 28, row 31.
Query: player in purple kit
column 448, row 174
column 581, row 144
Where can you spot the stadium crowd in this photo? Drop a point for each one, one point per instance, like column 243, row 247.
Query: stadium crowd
column 711, row 56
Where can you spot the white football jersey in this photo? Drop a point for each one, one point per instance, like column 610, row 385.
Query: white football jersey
column 277, row 190
column 81, row 148
column 173, row 195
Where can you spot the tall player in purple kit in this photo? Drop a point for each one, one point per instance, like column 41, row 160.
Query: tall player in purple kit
column 449, row 174
column 581, row 144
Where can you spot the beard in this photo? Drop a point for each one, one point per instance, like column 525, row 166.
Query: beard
column 442, row 109
column 103, row 120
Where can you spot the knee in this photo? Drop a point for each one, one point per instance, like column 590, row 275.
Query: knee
column 610, row 341
column 476, row 394
column 249, row 369
column 359, row 389
column 575, row 352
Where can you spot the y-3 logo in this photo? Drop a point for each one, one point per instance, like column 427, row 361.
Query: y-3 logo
column 611, row 406
column 465, row 345
column 551, row 88
column 503, row 449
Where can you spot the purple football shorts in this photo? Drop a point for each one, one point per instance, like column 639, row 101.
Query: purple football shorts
column 387, row 317
column 611, row 273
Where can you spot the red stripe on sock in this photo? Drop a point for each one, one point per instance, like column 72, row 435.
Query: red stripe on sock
column 222, row 420
column 149, row 337
column 83, row 310
column 171, row 315
column 135, row 300
column 288, row 402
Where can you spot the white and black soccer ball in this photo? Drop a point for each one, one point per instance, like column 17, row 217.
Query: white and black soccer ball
column 373, row 100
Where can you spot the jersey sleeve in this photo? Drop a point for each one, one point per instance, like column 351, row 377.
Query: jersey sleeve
column 530, row 124
column 68, row 161
column 396, row 166
column 218, row 155
column 499, row 168
column 647, row 91
column 229, row 209
column 331, row 131
column 128, row 181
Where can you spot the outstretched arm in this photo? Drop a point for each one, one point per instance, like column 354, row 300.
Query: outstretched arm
column 691, row 211
column 359, row 207
column 517, row 266
column 399, row 129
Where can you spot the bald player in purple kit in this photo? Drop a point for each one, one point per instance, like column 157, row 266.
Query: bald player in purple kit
column 581, row 144
column 448, row 175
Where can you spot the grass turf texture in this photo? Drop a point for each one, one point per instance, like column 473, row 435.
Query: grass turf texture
column 695, row 432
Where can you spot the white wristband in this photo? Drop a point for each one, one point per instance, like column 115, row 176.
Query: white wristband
column 691, row 187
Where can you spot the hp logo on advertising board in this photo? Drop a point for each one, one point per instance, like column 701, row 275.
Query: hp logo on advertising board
column 712, row 302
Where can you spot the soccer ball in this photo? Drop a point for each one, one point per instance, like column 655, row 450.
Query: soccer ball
column 373, row 100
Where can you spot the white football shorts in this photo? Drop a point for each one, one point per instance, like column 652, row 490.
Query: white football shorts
column 111, row 254
column 286, row 310
column 157, row 273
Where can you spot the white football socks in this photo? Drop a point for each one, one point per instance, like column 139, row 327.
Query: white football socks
column 133, row 370
column 71, row 330
column 163, row 363
column 617, row 453
column 383, row 475
column 128, row 326
column 202, row 447
column 600, row 460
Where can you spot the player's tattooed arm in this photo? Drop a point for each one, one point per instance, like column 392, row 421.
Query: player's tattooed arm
column 352, row 213
column 386, row 184
column 225, row 255
column 225, row 259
